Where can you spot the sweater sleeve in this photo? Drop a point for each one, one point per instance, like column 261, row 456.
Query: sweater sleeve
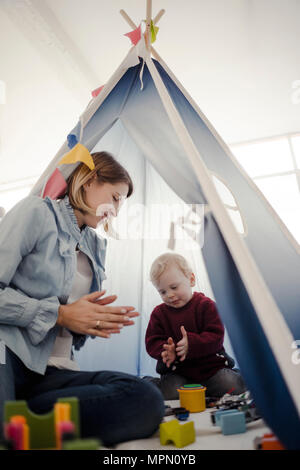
column 19, row 232
column 156, row 336
column 210, row 339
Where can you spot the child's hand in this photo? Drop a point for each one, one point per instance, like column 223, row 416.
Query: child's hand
column 182, row 345
column 169, row 353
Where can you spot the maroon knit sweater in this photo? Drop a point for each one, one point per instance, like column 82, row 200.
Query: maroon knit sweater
column 205, row 336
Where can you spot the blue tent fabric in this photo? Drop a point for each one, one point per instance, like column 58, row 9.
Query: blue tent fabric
column 265, row 239
column 256, row 360
column 145, row 120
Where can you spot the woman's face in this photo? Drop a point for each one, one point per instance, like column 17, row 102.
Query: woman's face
column 105, row 199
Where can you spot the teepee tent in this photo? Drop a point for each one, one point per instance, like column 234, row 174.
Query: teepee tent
column 254, row 273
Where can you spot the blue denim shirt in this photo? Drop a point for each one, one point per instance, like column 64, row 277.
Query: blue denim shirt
column 38, row 238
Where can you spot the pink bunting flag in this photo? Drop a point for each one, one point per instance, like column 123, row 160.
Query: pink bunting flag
column 55, row 186
column 134, row 36
column 97, row 91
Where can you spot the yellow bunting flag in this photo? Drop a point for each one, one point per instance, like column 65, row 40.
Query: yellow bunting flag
column 153, row 30
column 79, row 153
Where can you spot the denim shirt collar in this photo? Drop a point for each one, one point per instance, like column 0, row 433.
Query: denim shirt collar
column 70, row 218
column 67, row 217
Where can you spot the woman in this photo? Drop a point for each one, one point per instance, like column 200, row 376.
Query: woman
column 51, row 272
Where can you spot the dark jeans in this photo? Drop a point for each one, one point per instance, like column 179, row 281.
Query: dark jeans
column 223, row 381
column 114, row 406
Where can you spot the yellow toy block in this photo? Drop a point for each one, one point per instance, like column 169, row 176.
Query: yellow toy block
column 180, row 434
column 62, row 413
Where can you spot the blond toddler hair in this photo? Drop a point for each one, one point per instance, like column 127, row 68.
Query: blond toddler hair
column 162, row 262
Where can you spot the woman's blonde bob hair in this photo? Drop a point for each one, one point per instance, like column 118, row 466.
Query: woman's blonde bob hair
column 165, row 260
column 107, row 170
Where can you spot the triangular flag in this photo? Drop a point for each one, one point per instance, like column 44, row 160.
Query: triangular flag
column 55, row 186
column 79, row 153
column 134, row 36
column 72, row 140
column 97, row 91
column 154, row 31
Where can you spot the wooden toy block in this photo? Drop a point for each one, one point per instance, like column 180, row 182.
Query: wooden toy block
column 81, row 444
column 233, row 423
column 220, row 413
column 61, row 415
column 268, row 442
column 62, row 412
column 58, row 429
column 15, row 432
column 62, row 429
column 179, row 434
column 42, row 426
column 25, row 430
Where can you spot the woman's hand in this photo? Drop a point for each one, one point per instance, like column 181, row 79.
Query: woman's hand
column 169, row 353
column 83, row 316
column 112, row 298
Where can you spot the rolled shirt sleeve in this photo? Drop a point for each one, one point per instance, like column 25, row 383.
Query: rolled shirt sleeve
column 20, row 230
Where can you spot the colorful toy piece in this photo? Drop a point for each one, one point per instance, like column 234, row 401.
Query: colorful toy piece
column 17, row 432
column 43, row 427
column 219, row 413
column 181, row 413
column 180, row 434
column 233, row 423
column 24, row 429
column 242, row 402
column 81, row 444
column 192, row 397
column 268, row 442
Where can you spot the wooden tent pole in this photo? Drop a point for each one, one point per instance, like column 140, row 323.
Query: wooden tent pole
column 158, row 16
column 148, row 24
column 128, row 19
column 133, row 25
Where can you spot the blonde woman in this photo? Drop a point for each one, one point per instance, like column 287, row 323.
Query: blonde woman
column 51, row 273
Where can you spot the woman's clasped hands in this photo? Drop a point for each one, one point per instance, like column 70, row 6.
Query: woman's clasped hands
column 90, row 315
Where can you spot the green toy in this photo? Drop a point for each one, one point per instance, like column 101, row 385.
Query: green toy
column 81, row 444
column 42, row 426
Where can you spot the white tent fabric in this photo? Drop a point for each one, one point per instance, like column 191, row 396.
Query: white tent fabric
column 254, row 277
column 130, row 258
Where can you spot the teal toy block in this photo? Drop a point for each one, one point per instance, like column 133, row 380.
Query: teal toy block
column 233, row 423
column 220, row 413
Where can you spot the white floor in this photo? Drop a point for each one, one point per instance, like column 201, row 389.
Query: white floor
column 208, row 437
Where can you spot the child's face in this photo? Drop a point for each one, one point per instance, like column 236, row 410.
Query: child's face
column 174, row 287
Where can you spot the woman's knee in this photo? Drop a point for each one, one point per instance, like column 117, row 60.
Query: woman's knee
column 140, row 415
column 152, row 405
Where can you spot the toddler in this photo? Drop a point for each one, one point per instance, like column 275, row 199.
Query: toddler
column 185, row 334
